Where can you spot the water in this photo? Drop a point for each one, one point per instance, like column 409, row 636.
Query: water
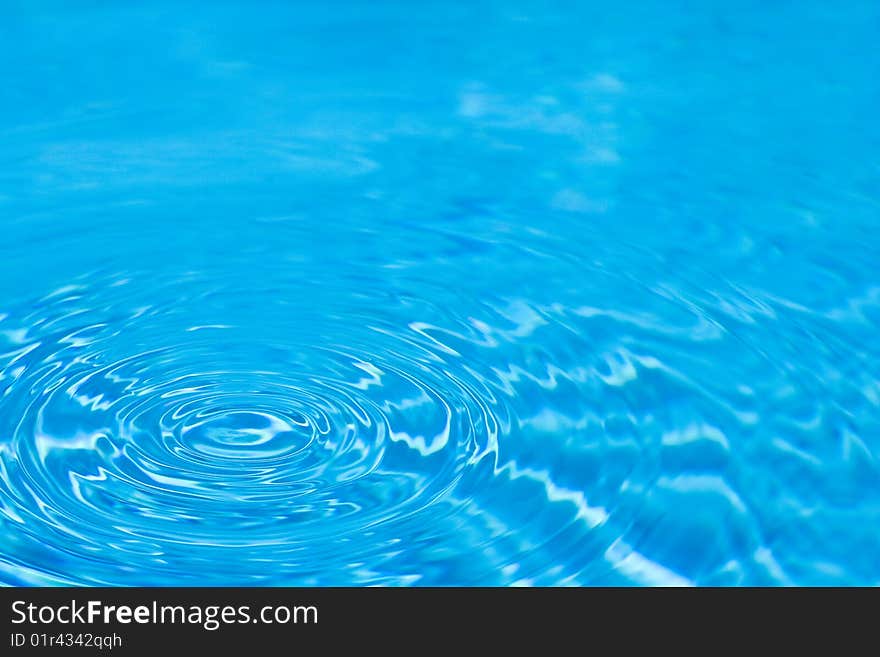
column 496, row 293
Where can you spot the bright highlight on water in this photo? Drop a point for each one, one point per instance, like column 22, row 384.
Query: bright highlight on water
column 496, row 293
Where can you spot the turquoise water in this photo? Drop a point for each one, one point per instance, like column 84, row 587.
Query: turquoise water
column 533, row 293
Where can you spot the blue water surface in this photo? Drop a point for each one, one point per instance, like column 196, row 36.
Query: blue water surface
column 432, row 293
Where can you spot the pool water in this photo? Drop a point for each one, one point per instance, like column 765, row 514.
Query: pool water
column 489, row 293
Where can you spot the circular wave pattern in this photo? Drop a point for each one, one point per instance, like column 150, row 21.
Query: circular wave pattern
column 156, row 466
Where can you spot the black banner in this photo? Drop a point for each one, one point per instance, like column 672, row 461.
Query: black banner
column 262, row 620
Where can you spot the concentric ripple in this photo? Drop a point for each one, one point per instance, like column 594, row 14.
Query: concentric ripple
column 179, row 447
column 500, row 294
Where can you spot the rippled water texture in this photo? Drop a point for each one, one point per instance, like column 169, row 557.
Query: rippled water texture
column 493, row 293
